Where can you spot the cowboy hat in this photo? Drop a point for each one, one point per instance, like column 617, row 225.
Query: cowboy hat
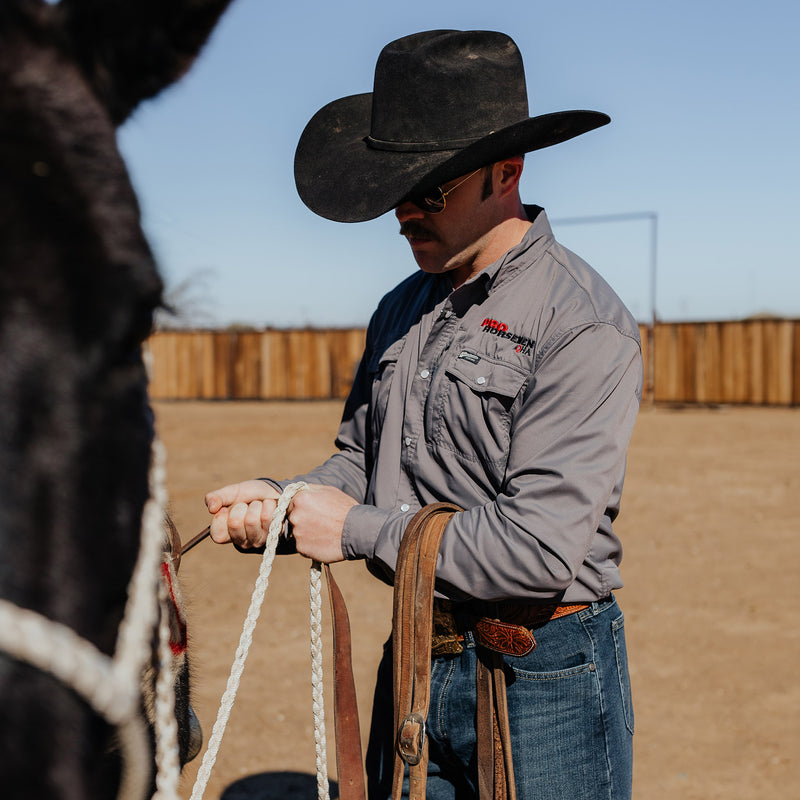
column 443, row 103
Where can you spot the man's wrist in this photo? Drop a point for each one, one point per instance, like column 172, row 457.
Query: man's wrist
column 362, row 525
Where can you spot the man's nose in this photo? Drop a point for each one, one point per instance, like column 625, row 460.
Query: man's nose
column 408, row 210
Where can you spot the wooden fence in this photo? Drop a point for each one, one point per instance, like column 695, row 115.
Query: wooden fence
column 303, row 364
column 754, row 362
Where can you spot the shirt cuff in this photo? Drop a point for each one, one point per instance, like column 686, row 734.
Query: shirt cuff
column 362, row 525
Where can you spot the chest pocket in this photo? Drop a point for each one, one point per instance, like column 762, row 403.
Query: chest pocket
column 471, row 412
column 381, row 368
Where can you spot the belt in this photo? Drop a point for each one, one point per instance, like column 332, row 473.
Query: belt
column 505, row 627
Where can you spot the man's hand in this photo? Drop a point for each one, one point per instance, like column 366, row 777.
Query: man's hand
column 243, row 513
column 317, row 516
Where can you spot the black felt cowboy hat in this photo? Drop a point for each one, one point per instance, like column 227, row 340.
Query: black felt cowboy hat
column 443, row 104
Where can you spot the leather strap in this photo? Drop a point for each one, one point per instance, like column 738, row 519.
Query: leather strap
column 495, row 765
column 349, row 761
column 411, row 636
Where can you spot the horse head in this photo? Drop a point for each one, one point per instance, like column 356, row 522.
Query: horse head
column 78, row 288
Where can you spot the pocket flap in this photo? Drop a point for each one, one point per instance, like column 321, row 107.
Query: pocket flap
column 484, row 375
column 385, row 354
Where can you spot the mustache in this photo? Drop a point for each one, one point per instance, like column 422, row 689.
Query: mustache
column 417, row 231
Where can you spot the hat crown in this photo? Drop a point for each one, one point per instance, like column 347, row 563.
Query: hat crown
column 442, row 90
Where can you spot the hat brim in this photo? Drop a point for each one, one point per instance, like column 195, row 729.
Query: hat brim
column 341, row 178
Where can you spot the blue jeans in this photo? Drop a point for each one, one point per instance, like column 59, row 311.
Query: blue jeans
column 570, row 715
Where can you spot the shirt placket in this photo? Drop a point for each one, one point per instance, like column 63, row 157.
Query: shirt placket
column 442, row 330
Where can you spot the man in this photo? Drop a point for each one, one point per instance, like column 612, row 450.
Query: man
column 505, row 377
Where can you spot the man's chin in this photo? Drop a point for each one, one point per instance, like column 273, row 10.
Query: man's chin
column 429, row 265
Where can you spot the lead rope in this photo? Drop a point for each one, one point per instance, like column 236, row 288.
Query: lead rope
column 245, row 640
column 315, row 594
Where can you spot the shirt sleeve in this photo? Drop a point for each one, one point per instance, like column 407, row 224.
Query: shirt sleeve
column 569, row 436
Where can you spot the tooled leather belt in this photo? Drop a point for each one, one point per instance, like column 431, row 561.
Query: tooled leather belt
column 504, row 627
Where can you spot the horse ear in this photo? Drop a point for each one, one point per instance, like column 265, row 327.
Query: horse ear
column 130, row 50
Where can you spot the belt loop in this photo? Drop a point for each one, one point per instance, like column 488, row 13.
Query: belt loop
column 598, row 605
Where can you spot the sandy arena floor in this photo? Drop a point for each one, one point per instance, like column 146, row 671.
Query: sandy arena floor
column 709, row 524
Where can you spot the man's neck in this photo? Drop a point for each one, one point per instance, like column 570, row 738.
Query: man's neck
column 494, row 244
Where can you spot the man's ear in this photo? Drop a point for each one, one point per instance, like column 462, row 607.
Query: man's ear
column 507, row 174
column 130, row 50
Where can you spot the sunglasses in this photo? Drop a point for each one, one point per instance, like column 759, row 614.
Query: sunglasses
column 435, row 202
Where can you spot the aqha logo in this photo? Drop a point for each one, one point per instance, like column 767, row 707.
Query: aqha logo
column 523, row 344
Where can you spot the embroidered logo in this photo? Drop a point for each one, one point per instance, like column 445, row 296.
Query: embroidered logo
column 473, row 358
column 523, row 344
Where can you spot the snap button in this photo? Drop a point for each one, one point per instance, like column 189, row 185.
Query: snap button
column 424, row 373
column 407, row 440
column 480, row 380
column 405, row 507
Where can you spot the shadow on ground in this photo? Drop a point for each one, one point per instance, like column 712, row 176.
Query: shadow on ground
column 277, row 786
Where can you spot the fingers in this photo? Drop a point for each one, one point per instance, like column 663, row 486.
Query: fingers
column 242, row 513
column 244, row 492
column 219, row 527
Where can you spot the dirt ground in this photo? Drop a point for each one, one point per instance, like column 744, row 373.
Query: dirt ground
column 709, row 524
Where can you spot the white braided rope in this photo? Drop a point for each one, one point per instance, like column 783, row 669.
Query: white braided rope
column 246, row 638
column 112, row 686
column 315, row 595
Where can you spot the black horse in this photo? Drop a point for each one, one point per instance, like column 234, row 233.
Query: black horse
column 78, row 288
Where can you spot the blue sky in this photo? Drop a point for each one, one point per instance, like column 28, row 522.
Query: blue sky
column 704, row 98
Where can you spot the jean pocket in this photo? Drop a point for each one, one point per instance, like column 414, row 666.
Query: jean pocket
column 551, row 675
column 555, row 716
column 621, row 650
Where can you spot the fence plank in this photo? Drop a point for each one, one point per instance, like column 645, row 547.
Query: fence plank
column 206, row 365
column 796, row 364
column 778, row 353
column 667, row 387
column 755, row 359
column 734, row 363
column 707, row 368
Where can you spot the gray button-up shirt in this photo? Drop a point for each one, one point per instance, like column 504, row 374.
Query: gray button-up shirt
column 513, row 396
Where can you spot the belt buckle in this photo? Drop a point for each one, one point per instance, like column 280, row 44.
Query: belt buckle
column 445, row 639
column 411, row 738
